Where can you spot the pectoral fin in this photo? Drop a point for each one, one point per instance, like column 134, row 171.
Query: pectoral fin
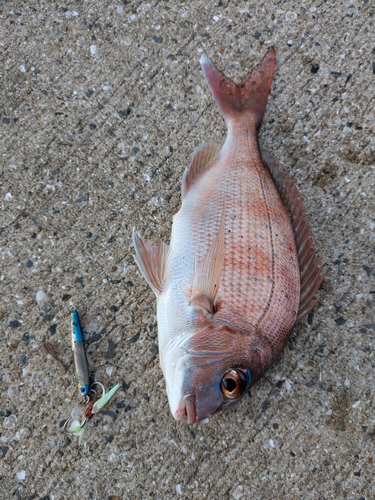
column 208, row 271
column 151, row 261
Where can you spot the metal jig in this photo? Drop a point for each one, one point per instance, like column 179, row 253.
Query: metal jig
column 87, row 392
column 80, row 359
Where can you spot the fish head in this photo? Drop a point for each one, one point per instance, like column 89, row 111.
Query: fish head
column 206, row 372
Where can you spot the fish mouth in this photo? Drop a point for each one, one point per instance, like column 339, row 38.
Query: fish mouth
column 187, row 408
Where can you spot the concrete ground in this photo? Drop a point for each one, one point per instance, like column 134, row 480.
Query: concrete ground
column 102, row 105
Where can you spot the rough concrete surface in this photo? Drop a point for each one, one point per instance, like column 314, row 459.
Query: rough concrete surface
column 103, row 104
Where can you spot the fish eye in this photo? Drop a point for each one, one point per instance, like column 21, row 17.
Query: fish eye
column 233, row 384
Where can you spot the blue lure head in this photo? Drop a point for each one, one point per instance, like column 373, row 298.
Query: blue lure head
column 84, row 389
column 76, row 328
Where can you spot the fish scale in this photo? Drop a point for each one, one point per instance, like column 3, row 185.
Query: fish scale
column 206, row 224
column 229, row 288
column 242, row 265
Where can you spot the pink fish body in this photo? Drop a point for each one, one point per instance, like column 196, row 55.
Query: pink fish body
column 240, row 269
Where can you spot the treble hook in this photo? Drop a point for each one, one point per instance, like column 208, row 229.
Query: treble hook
column 66, row 423
column 92, row 393
column 90, row 411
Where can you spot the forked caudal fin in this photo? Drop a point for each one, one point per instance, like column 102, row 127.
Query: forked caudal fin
column 248, row 98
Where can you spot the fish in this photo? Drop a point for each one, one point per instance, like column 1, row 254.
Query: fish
column 80, row 358
column 240, row 270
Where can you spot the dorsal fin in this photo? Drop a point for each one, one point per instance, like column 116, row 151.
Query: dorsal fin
column 208, row 270
column 201, row 157
column 311, row 269
column 151, row 261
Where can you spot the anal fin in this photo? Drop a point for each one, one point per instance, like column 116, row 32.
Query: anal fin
column 151, row 261
column 311, row 269
column 201, row 157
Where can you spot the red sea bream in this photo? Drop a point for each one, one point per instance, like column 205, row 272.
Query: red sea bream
column 240, row 269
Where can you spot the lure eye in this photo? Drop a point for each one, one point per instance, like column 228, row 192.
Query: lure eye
column 233, row 384
column 82, row 390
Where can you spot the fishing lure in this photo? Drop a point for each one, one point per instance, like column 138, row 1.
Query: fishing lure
column 92, row 408
column 80, row 359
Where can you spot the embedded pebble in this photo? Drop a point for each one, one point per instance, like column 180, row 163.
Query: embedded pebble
column 21, row 475
column 10, row 422
column 40, row 296
column 290, row 16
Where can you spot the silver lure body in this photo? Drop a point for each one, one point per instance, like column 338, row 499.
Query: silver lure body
column 79, row 353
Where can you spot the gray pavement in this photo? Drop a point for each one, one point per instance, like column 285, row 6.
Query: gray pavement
column 102, row 105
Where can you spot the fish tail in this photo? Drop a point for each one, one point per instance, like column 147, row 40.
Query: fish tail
column 247, row 99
